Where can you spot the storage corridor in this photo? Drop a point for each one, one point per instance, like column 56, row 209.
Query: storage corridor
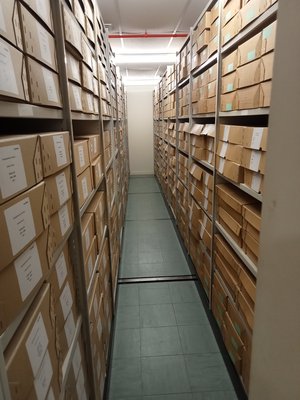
column 164, row 347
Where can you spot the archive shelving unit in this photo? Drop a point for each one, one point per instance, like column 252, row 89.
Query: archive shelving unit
column 104, row 111
column 202, row 106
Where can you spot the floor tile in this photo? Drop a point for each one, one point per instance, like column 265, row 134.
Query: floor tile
column 128, row 295
column 143, row 185
column 154, row 293
column 207, row 373
column 190, row 313
column 184, row 292
column 181, row 396
column 157, row 315
column 144, row 207
column 164, row 375
column 127, row 343
column 220, row 395
column 162, row 341
column 197, row 339
column 126, row 379
column 127, row 317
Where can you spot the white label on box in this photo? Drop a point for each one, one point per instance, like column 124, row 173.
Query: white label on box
column 206, row 178
column 50, row 85
column 42, row 9
column 99, row 328
column 256, row 182
column 77, row 97
column 12, row 171
column 50, row 394
column 8, row 82
column 76, row 362
column 61, row 269
column 90, row 266
column 44, row 43
column 81, row 156
column 2, row 20
column 84, row 186
column 221, row 165
column 37, row 343
column 43, row 378
column 87, row 238
column 64, row 220
column 66, row 300
column 60, row 150
column 255, row 160
column 223, row 149
column 256, row 138
column 20, row 225
column 62, row 188
column 226, row 133
column 80, row 383
column 28, row 269
column 230, row 67
column 70, row 328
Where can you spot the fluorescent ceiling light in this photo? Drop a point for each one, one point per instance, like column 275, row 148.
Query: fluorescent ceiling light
column 145, row 59
column 147, row 82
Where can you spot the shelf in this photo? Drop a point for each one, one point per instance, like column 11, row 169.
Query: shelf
column 202, row 208
column 207, row 115
column 183, row 151
column 90, row 198
column 183, row 117
column 109, row 164
column 20, row 110
column 183, row 82
column 205, row 65
column 78, row 116
column 62, row 245
column 173, row 145
column 249, row 263
column 262, row 21
column 245, row 113
column 182, row 182
column 69, row 357
column 242, row 187
column 203, row 163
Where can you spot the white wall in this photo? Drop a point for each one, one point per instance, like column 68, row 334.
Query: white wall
column 140, row 129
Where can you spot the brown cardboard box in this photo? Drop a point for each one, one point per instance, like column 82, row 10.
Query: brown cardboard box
column 214, row 12
column 20, row 281
column 219, row 291
column 25, row 352
column 73, row 68
column 90, row 263
column 230, row 10
column 254, row 180
column 251, row 246
column 66, row 335
column 228, row 278
column 81, row 155
column 97, row 208
column 212, row 73
column 268, row 38
column 85, row 186
column 266, row 89
column 267, row 62
column 249, row 97
column 72, row 30
column 65, row 302
column 255, row 160
column 246, row 310
column 212, row 89
column 230, row 169
column 233, row 343
column 38, row 42
column 56, row 151
column 255, row 138
column 59, row 189
column 14, row 81
column 234, row 197
column 93, row 145
column 79, row 13
column 88, row 232
column 229, row 63
column 229, row 101
column 20, row 160
column 96, row 86
column 230, row 30
column 61, row 222
column 238, row 323
column 252, row 214
column 87, row 53
column 97, row 171
column 250, row 12
column 106, row 139
column 203, row 40
column 204, row 23
column 250, row 74
column 247, row 285
column 87, row 78
column 44, row 85
column 11, row 31
column 87, row 102
column 22, row 220
column 75, row 97
column 232, row 152
column 43, row 10
column 250, row 50
column 228, row 256
column 230, row 82
column 232, row 227
column 231, row 134
column 214, row 29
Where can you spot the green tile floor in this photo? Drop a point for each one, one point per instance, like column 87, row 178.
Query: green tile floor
column 164, row 347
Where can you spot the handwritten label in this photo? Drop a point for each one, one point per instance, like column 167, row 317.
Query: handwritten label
column 43, row 378
column 60, row 150
column 64, row 220
column 8, row 81
column 62, row 188
column 50, row 85
column 81, row 156
column 37, row 343
column 44, row 43
column 61, row 269
column 12, row 171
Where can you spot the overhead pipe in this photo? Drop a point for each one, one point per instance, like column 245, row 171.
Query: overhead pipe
column 148, row 35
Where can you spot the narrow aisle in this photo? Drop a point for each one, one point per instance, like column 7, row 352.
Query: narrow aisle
column 164, row 347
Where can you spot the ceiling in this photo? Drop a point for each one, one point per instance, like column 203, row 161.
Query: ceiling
column 151, row 17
